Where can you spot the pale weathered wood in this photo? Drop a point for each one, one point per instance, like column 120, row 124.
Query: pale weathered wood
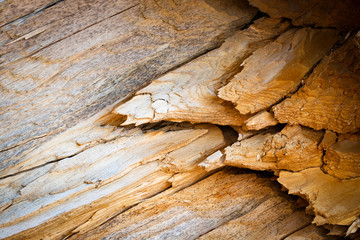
column 95, row 65
column 336, row 106
column 11, row 10
column 275, row 70
column 189, row 93
column 228, row 197
column 339, row 14
column 333, row 201
column 294, row 148
column 107, row 176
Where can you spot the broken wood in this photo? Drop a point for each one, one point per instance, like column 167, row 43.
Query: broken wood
column 275, row 70
column 115, row 172
column 335, row 106
column 294, row 148
column 259, row 121
column 333, row 201
column 189, row 93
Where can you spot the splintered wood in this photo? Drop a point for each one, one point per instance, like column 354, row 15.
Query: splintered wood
column 115, row 172
column 336, row 106
column 294, row 148
column 275, row 70
column 86, row 154
column 189, row 93
column 333, row 201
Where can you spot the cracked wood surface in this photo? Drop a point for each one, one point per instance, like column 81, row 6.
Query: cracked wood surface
column 276, row 70
column 189, row 93
column 229, row 204
column 77, row 191
column 342, row 160
column 333, row 201
column 336, row 106
column 95, row 59
column 294, row 148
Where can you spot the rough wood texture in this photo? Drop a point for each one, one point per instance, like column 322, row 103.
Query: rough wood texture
column 333, row 201
column 294, row 148
column 342, row 160
column 275, row 70
column 75, row 193
column 336, row 106
column 12, row 10
column 259, row 121
column 226, row 199
column 99, row 60
column 189, row 93
column 339, row 14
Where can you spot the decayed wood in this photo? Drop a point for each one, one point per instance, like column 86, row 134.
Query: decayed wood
column 244, row 203
column 336, row 106
column 333, row 201
column 339, row 14
column 99, row 61
column 259, row 121
column 342, row 160
column 84, row 189
column 189, row 93
column 275, row 70
column 294, row 148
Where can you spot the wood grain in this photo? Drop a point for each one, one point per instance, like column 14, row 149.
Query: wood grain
column 189, row 93
column 96, row 63
column 336, row 106
column 228, row 204
column 276, row 70
column 83, row 190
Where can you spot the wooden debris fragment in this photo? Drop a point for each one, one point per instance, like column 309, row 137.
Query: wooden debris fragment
column 275, row 70
column 259, row 121
column 189, row 93
column 214, row 161
column 336, row 106
column 294, row 148
column 333, row 201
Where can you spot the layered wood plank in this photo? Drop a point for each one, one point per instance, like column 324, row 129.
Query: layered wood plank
column 77, row 191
